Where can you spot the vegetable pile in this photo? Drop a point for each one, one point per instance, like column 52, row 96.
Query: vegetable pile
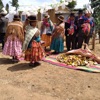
column 75, row 60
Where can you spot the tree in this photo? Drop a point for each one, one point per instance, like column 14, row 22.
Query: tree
column 72, row 4
column 84, row 7
column 95, row 4
column 14, row 3
column 7, row 7
column 1, row 4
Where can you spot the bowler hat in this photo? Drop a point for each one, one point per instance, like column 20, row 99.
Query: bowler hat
column 61, row 18
column 3, row 12
column 32, row 18
column 72, row 15
column 46, row 16
column 16, row 17
column 80, row 11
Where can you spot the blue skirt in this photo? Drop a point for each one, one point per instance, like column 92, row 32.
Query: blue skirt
column 57, row 44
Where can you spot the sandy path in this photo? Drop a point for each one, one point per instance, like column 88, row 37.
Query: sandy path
column 46, row 82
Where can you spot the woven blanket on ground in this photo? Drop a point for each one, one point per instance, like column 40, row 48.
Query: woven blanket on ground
column 52, row 60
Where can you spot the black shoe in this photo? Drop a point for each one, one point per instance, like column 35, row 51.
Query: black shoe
column 31, row 64
column 55, row 52
column 15, row 60
column 37, row 63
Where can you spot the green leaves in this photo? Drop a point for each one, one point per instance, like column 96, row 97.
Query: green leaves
column 7, row 7
column 72, row 4
column 1, row 4
column 14, row 3
column 95, row 4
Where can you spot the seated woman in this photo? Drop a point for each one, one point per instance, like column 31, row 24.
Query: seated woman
column 57, row 42
column 32, row 45
column 85, row 52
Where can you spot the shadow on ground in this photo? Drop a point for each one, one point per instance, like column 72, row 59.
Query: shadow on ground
column 6, row 61
column 22, row 66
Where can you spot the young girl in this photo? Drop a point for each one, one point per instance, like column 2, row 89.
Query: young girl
column 32, row 45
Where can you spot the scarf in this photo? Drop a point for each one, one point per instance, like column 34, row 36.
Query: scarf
column 46, row 23
column 29, row 35
column 72, row 25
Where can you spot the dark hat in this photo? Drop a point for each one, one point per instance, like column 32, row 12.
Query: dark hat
column 46, row 16
column 3, row 11
column 80, row 11
column 61, row 18
column 72, row 15
column 16, row 17
column 28, row 18
column 32, row 18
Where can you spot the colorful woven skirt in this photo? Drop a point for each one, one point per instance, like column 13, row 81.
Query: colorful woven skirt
column 12, row 47
column 35, row 53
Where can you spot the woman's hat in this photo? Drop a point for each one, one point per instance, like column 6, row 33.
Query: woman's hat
column 28, row 17
column 32, row 18
column 46, row 16
column 3, row 11
column 16, row 17
column 80, row 11
column 61, row 18
column 87, row 12
column 72, row 15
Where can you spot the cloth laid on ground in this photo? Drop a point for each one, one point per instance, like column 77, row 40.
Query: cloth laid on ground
column 52, row 60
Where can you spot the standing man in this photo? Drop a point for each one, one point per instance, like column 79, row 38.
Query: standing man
column 70, row 33
column 3, row 26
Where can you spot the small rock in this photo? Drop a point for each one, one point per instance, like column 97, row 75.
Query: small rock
column 89, row 86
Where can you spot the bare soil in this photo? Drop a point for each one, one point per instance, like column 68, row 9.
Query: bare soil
column 19, row 81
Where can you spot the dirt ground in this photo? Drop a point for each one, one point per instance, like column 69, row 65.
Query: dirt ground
column 19, row 81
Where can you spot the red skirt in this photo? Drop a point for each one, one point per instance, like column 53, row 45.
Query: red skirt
column 35, row 53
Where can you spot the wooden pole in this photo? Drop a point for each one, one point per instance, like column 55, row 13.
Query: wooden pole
column 93, row 40
column 99, row 35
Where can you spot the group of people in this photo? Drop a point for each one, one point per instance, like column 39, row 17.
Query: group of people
column 25, row 38
column 78, row 29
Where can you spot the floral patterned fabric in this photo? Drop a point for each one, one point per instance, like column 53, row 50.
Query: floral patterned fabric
column 35, row 53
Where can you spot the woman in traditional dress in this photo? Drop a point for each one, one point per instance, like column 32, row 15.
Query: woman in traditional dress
column 14, row 38
column 57, row 42
column 46, row 30
column 32, row 45
column 26, row 24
